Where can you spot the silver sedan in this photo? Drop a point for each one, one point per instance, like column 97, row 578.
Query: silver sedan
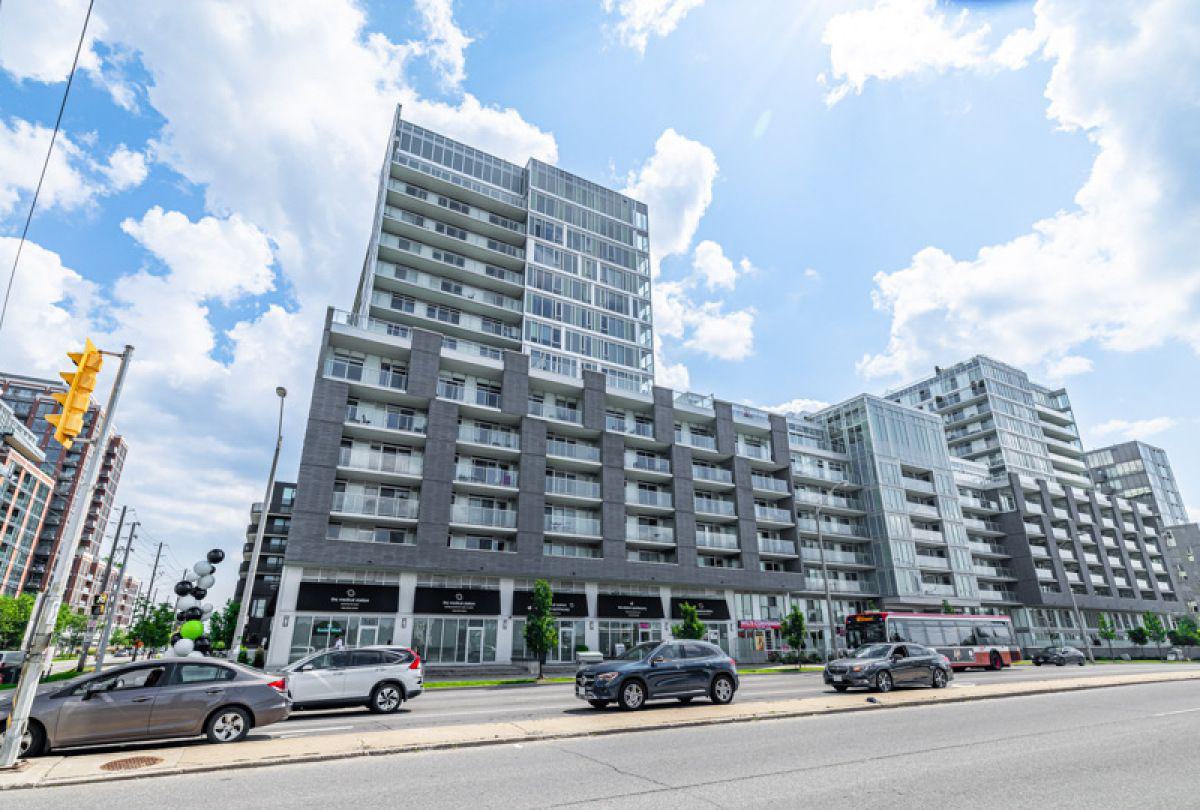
column 157, row 699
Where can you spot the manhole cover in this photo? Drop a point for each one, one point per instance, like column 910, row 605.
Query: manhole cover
column 130, row 763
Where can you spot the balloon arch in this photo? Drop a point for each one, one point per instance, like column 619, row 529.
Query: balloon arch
column 191, row 611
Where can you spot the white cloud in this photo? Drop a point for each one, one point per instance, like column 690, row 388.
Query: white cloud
column 1136, row 429
column 38, row 39
column 702, row 326
column 50, row 302
column 898, row 38
column 125, row 169
column 1068, row 365
column 811, row 273
column 1121, row 268
column 446, row 43
column 676, row 184
column 716, row 270
column 761, row 124
column 642, row 19
column 797, row 406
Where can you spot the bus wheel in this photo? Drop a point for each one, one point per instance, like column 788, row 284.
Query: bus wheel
column 996, row 663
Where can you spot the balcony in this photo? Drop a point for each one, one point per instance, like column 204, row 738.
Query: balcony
column 560, row 412
column 651, row 464
column 917, row 484
column 833, row 557
column 814, row 473
column 753, row 451
column 984, row 526
column 922, row 509
column 467, row 473
column 724, row 541
column 572, row 487
column 927, row 536
column 658, row 499
column 442, row 317
column 1034, row 529
column 1045, row 574
column 773, row 514
column 576, row 525
column 836, row 585
column 489, row 436
column 641, row 533
column 560, row 448
column 933, row 563
column 375, row 506
column 768, row 484
column 937, row 589
column 997, row 595
column 988, row 548
column 696, row 440
column 407, row 277
column 468, row 515
column 713, row 506
column 808, row 525
column 370, row 416
column 715, row 475
column 776, row 547
column 361, row 458
column 834, row 501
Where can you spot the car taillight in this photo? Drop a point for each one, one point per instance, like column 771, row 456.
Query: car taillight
column 279, row 685
column 733, row 663
column 416, row 664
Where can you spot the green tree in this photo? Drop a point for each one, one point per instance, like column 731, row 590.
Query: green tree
column 222, row 622
column 541, row 626
column 691, row 627
column 119, row 638
column 794, row 630
column 70, row 626
column 946, row 608
column 1156, row 631
column 153, row 628
column 1139, row 636
column 1108, row 632
column 1188, row 632
column 14, row 615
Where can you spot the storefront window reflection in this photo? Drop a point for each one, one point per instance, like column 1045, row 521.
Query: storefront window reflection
column 314, row 633
column 455, row 641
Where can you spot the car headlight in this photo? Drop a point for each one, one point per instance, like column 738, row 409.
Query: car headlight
column 606, row 677
column 857, row 668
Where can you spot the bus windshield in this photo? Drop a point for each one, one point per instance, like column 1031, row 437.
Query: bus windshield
column 861, row 633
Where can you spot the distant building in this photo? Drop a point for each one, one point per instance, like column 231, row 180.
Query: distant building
column 270, row 561
column 30, row 400
column 24, row 494
column 87, row 581
column 1181, row 547
column 1140, row 472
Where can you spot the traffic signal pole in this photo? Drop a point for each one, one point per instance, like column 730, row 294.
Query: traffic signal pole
column 94, row 619
column 39, row 634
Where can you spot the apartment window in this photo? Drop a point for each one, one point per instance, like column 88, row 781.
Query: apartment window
column 258, row 608
column 346, row 365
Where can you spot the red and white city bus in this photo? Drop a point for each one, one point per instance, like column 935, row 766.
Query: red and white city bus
column 967, row 640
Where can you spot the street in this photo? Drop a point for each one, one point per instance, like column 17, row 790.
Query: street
column 1100, row 748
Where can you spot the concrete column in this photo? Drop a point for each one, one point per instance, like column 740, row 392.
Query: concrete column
column 284, row 622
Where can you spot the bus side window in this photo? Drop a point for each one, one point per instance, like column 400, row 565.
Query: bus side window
column 900, row 631
column 917, row 633
column 965, row 635
column 1002, row 633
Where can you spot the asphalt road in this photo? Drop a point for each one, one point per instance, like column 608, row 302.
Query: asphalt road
column 1125, row 747
column 439, row 707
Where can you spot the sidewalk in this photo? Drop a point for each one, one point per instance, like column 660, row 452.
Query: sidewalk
column 180, row 759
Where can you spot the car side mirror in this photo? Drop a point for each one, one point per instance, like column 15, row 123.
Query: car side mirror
column 91, row 690
column 656, row 661
column 897, row 657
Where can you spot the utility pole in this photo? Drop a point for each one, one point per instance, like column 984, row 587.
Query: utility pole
column 829, row 620
column 239, row 628
column 149, row 591
column 93, row 620
column 111, row 613
column 39, row 634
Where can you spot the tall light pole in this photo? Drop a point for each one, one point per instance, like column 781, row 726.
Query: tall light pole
column 829, row 623
column 248, row 588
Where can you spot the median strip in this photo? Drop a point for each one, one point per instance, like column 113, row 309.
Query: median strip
column 196, row 758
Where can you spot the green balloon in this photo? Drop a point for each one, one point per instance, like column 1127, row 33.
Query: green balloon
column 191, row 630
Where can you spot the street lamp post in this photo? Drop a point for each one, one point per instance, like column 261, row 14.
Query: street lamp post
column 248, row 588
column 1083, row 631
column 829, row 623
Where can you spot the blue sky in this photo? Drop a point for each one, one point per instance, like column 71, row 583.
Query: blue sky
column 842, row 195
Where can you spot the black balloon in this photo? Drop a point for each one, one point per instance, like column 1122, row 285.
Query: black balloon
column 183, row 588
column 199, row 592
column 215, row 556
column 190, row 615
column 202, row 645
column 175, row 637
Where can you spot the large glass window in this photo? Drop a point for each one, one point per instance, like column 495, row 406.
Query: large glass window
column 454, row 640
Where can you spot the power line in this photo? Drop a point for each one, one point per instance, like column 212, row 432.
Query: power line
column 53, row 136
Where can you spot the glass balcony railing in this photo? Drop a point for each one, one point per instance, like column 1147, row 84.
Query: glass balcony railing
column 559, row 412
column 483, row 516
column 573, row 487
column 575, row 450
column 637, row 461
column 771, row 545
column 773, row 513
column 754, row 451
column 696, row 440
column 649, row 534
column 833, row 557
column 648, row 497
column 489, row 476
column 715, row 474
column 364, row 459
column 378, row 417
column 769, row 484
column 375, row 505
column 566, row 524
column 712, row 506
column 719, row 540
column 492, row 437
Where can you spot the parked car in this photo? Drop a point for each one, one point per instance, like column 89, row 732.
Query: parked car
column 151, row 700
column 655, row 670
column 10, row 665
column 1059, row 656
column 882, row 667
column 380, row 678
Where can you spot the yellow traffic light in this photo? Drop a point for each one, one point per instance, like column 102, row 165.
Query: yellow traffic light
column 75, row 400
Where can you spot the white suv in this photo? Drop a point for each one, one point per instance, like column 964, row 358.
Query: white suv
column 381, row 678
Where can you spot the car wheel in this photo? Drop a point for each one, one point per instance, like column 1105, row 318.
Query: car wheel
column 995, row 662
column 685, row 700
column 1037, row 663
column 840, row 687
column 632, row 696
column 385, row 698
column 33, row 741
column 883, row 682
column 227, row 725
column 1060, row 663
column 598, row 704
column 939, row 678
column 1080, row 662
column 722, row 690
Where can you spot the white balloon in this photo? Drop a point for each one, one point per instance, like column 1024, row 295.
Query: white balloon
column 206, row 581
column 203, row 568
column 185, row 602
column 206, row 608
column 183, row 647
column 191, row 576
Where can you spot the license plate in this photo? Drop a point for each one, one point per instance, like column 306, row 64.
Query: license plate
column 839, row 678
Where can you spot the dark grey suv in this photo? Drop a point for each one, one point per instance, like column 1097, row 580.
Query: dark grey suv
column 884, row 666
column 655, row 670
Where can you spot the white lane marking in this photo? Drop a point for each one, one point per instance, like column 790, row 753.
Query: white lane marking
column 294, row 732
column 962, row 684
column 1178, row 711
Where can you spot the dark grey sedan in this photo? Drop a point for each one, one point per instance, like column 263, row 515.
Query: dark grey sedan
column 149, row 700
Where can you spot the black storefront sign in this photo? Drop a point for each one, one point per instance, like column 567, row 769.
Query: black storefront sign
column 707, row 610
column 338, row 597
column 457, row 601
column 564, row 605
column 629, row 607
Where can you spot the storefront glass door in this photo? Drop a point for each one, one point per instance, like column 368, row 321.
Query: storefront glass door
column 474, row 645
column 566, row 642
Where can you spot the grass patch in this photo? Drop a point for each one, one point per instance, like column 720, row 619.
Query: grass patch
column 780, row 670
column 497, row 682
column 58, row 676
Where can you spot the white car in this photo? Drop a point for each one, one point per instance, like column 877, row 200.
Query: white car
column 381, row 678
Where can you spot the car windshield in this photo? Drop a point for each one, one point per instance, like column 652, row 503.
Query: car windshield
column 638, row 652
column 871, row 651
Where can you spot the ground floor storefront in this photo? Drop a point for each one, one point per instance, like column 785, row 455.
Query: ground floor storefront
column 465, row 621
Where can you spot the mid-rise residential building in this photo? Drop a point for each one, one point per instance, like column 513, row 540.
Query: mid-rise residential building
column 270, row 561
column 86, row 582
column 24, row 494
column 1181, row 546
column 30, row 399
column 1140, row 472
column 474, row 427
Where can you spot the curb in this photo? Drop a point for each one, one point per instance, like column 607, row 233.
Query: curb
column 1037, row 688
